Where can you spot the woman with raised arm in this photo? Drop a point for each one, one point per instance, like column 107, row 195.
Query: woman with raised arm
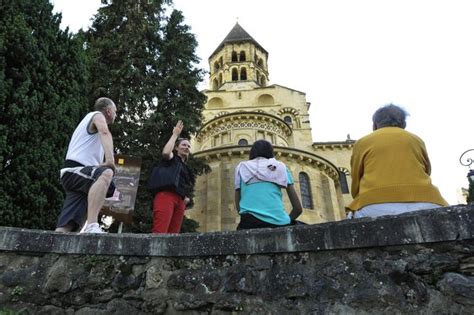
column 176, row 181
column 258, row 183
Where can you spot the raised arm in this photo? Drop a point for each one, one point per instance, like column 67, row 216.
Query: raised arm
column 168, row 149
column 297, row 209
column 105, row 136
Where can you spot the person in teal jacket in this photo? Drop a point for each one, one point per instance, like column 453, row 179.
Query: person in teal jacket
column 258, row 183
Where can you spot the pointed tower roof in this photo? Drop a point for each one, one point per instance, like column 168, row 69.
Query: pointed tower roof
column 237, row 35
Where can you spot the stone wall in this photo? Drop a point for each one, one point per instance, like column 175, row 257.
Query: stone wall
column 419, row 263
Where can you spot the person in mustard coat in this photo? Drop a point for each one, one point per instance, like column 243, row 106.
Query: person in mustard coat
column 391, row 170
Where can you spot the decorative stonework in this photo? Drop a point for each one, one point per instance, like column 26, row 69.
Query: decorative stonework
column 244, row 120
column 334, row 145
column 344, row 171
column 288, row 110
column 219, row 114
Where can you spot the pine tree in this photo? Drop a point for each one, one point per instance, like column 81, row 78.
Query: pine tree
column 145, row 61
column 42, row 79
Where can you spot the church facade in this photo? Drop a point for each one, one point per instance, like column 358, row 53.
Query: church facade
column 242, row 108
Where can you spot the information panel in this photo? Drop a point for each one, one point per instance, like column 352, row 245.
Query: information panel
column 127, row 175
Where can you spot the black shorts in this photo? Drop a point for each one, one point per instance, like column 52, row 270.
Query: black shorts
column 77, row 181
column 248, row 221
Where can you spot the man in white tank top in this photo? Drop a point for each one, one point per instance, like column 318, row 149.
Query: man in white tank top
column 88, row 169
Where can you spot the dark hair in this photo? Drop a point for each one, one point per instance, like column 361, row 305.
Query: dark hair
column 261, row 148
column 390, row 116
column 102, row 103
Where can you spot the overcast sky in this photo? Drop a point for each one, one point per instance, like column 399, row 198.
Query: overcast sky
column 351, row 57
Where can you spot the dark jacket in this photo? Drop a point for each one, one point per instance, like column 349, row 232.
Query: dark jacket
column 186, row 178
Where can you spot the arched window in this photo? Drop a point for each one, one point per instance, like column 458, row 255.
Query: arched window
column 221, row 61
column 243, row 74
column 214, row 84
column 343, row 172
column 264, row 82
column 258, row 77
column 305, row 187
column 260, row 63
column 235, row 74
column 243, row 142
column 288, row 120
column 242, row 55
column 234, row 56
column 216, row 66
column 220, row 79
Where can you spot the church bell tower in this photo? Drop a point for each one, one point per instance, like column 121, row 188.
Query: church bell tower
column 239, row 62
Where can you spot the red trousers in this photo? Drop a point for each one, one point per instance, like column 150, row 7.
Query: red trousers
column 168, row 212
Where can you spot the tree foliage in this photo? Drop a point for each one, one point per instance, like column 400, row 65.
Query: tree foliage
column 138, row 52
column 189, row 225
column 42, row 78
column 143, row 57
column 470, row 193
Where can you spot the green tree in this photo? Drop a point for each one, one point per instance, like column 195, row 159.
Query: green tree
column 470, row 193
column 42, row 79
column 144, row 59
column 189, row 226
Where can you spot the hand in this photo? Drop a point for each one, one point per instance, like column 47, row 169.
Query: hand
column 110, row 164
column 178, row 128
column 186, row 200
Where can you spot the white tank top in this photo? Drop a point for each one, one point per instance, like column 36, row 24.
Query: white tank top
column 85, row 147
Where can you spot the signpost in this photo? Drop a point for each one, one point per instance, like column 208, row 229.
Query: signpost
column 127, row 175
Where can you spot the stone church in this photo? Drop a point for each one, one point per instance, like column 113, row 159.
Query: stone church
column 243, row 107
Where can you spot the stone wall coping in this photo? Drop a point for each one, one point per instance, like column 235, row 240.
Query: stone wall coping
column 427, row 226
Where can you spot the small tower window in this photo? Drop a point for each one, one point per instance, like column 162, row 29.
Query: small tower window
column 260, row 63
column 243, row 74
column 288, row 120
column 305, row 187
column 220, row 79
column 214, row 84
column 221, row 61
column 242, row 55
column 258, row 77
column 243, row 142
column 235, row 74
column 234, row 56
column 216, row 66
column 264, row 82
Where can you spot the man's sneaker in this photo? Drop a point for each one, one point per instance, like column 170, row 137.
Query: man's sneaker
column 93, row 228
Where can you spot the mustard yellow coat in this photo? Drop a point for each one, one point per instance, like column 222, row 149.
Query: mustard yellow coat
column 391, row 165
